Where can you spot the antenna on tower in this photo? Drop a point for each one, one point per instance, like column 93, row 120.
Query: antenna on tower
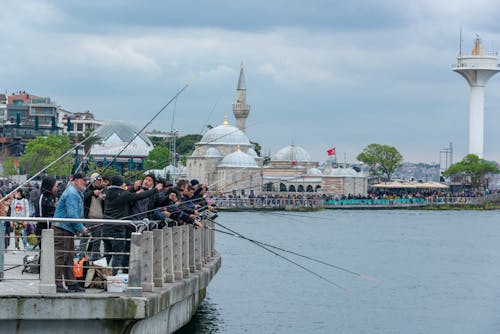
column 460, row 47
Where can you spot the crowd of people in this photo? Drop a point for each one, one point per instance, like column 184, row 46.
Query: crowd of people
column 155, row 203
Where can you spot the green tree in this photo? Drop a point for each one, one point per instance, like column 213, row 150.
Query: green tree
column 185, row 144
column 42, row 151
column 383, row 160
column 472, row 169
column 158, row 158
column 9, row 167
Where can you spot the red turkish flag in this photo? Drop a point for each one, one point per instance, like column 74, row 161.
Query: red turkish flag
column 331, row 151
column 294, row 163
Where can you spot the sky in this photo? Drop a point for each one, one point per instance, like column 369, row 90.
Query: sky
column 319, row 74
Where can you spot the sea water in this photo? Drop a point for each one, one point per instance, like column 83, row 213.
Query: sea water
column 435, row 271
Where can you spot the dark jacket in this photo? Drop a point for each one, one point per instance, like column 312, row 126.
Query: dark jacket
column 118, row 200
column 45, row 207
column 87, row 200
column 144, row 208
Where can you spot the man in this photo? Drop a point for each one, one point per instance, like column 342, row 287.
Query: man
column 93, row 208
column 70, row 205
column 116, row 206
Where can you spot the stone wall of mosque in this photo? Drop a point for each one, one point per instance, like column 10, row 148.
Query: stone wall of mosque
column 238, row 181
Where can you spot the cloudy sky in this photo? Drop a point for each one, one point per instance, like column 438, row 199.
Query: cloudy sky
column 318, row 73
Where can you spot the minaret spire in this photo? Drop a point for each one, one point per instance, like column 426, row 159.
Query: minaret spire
column 240, row 108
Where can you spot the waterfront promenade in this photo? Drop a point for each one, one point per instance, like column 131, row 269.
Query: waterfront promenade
column 169, row 272
column 314, row 202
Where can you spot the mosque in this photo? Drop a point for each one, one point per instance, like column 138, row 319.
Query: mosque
column 227, row 162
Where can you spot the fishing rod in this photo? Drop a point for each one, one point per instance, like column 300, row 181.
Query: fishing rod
column 237, row 235
column 267, row 248
column 45, row 168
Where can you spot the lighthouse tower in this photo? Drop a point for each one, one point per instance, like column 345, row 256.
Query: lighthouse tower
column 477, row 69
column 240, row 108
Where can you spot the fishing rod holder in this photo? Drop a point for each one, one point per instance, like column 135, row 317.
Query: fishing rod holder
column 157, row 256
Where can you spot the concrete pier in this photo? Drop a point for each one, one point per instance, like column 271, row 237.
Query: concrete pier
column 160, row 302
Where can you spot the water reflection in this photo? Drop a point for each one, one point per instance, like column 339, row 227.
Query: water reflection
column 206, row 320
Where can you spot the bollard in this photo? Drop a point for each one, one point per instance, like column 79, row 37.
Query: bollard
column 185, row 251
column 177, row 251
column 134, row 272
column 191, row 249
column 47, row 264
column 197, row 248
column 147, row 261
column 2, row 248
column 158, row 257
column 168, row 261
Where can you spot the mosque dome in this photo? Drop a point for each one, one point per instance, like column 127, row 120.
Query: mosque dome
column 238, row 159
column 292, row 153
column 212, row 152
column 251, row 152
column 225, row 134
column 343, row 172
column 314, row 172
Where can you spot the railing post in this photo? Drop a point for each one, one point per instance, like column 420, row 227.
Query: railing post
column 212, row 240
column 168, row 262
column 202, row 246
column 205, row 245
column 47, row 264
column 197, row 248
column 134, row 272
column 209, row 241
column 192, row 267
column 177, row 251
column 158, row 257
column 147, row 261
column 2, row 248
column 185, row 251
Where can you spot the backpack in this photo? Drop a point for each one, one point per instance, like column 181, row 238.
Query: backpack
column 31, row 264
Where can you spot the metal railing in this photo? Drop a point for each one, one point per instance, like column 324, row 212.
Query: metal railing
column 157, row 256
column 269, row 203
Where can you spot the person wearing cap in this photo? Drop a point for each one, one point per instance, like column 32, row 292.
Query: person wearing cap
column 117, row 206
column 93, row 207
column 70, row 205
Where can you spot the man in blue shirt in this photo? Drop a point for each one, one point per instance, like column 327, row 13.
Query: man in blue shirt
column 70, row 205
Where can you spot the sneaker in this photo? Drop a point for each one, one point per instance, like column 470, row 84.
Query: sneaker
column 76, row 288
column 61, row 289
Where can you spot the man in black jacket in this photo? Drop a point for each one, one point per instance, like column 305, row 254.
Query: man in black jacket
column 117, row 206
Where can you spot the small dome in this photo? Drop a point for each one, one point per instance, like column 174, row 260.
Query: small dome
column 314, row 172
column 238, row 159
column 212, row 152
column 251, row 152
column 343, row 172
column 225, row 134
column 292, row 153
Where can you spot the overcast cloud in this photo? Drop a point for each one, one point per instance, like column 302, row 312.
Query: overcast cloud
column 319, row 73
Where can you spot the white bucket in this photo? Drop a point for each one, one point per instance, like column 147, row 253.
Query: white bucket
column 117, row 283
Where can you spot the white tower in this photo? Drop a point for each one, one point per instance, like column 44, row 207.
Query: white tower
column 240, row 108
column 477, row 69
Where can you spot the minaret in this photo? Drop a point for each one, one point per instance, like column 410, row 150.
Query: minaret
column 240, row 108
column 477, row 69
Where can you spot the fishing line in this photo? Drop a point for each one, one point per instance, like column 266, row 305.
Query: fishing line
column 262, row 245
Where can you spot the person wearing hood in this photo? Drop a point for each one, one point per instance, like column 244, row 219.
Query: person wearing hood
column 46, row 204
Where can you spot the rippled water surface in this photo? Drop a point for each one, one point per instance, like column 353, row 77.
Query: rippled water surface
column 438, row 272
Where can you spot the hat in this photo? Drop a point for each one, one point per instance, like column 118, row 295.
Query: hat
column 151, row 175
column 194, row 182
column 95, row 177
column 77, row 176
column 116, row 180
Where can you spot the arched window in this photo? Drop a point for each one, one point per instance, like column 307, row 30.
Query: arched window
column 309, row 189
column 282, row 187
column 318, row 187
column 292, row 189
column 300, row 188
